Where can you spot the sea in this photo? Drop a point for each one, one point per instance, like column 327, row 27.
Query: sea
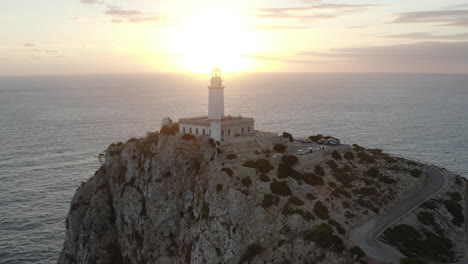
column 52, row 129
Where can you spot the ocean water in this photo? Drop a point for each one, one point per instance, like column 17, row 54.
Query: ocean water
column 52, row 128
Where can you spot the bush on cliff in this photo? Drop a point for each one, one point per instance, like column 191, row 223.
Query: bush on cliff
column 231, row 156
column 228, row 171
column 321, row 210
column 151, row 138
column 289, row 136
column 313, row 179
column 323, row 236
column 279, row 148
column 413, row 261
column 170, row 130
column 252, row 251
column 336, row 155
column 295, row 200
column 261, row 165
column 319, row 170
column 289, row 160
column 280, row 188
column 269, row 200
column 188, row 137
column 456, row 210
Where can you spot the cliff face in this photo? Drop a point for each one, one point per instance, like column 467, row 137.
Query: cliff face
column 174, row 199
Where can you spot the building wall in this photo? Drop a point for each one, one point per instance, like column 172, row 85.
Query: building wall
column 216, row 103
column 230, row 130
column 192, row 129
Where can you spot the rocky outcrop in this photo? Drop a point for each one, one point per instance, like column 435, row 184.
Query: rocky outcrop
column 176, row 199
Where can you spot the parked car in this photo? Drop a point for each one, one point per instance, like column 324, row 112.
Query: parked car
column 334, row 142
column 301, row 152
column 306, row 140
column 310, row 149
column 277, row 155
column 321, row 141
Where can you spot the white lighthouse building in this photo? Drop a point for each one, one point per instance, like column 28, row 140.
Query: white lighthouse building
column 217, row 125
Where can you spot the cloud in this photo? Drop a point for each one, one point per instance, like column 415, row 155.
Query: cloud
column 92, row 2
column 444, row 17
column 442, row 57
column 426, row 36
column 274, row 27
column 133, row 16
column 29, row 45
column 313, row 12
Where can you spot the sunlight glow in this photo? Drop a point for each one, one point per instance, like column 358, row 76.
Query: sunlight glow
column 214, row 36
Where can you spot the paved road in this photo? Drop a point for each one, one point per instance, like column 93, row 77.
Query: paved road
column 365, row 235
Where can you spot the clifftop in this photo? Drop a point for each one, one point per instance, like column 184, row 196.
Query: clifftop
column 186, row 199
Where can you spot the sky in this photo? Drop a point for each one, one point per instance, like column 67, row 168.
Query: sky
column 55, row 37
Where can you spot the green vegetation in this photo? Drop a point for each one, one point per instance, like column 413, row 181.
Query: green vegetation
column 188, row 137
column 289, row 160
column 414, row 244
column 323, row 236
column 313, row 179
column 332, row 164
column 458, row 180
column 212, row 143
column 231, row 156
column 261, row 165
column 280, row 188
column 264, row 178
column 358, row 148
column 340, row 191
column 132, row 140
column 337, row 226
column 373, row 172
column 321, row 210
column 357, row 251
column 288, row 210
column 387, row 180
column 412, row 261
column 269, row 200
column 205, row 210
column 151, row 138
column 170, row 130
column 456, row 210
column 279, row 148
column 348, row 155
column 426, row 218
column 336, row 155
column 316, row 138
column 285, row 171
column 310, row 196
column 455, row 196
column 289, row 136
column 252, row 251
column 416, row 173
column 219, row 187
column 228, row 171
column 295, row 200
column 246, row 181
column 219, row 151
column 366, row 191
column 319, row 170
column 332, row 184
column 365, row 158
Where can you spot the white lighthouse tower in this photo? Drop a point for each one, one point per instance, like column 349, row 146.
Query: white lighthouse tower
column 216, row 96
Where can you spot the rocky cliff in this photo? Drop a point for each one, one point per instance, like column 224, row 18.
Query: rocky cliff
column 184, row 199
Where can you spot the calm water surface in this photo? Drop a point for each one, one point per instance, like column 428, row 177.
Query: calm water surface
column 51, row 129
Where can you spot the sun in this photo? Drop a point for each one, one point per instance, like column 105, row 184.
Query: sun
column 213, row 36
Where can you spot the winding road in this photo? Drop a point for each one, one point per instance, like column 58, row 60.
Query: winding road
column 366, row 235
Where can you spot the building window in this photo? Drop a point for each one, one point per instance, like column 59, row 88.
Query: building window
column 242, row 130
column 209, row 131
column 196, row 131
column 248, row 129
column 190, row 129
column 203, row 131
column 183, row 128
column 222, row 133
column 229, row 132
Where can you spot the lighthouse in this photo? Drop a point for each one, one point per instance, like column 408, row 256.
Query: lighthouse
column 216, row 124
column 216, row 96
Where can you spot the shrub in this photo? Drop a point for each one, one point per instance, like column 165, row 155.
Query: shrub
column 387, row 180
column 358, row 148
column 219, row 187
column 205, row 210
column 188, row 137
column 219, row 151
column 316, row 138
column 332, row 184
column 349, row 155
column 252, row 251
column 279, row 148
column 341, row 192
column 412, row 261
column 228, row 171
column 212, row 143
column 310, row 196
column 357, row 251
column 458, row 181
column 289, row 160
column 246, row 181
column 285, row 171
column 455, row 196
column 264, row 178
column 170, row 130
column 261, row 165
column 151, row 138
column 366, row 191
column 319, row 170
column 336, row 155
column 416, row 173
column 296, row 201
column 456, row 210
column 269, row 200
column 231, row 156
column 313, row 179
column 373, row 172
column 401, row 234
column 426, row 218
column 332, row 164
column 337, row 225
column 365, row 158
column 323, row 236
column 280, row 188
column 287, row 135
column 132, row 140
column 321, row 210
